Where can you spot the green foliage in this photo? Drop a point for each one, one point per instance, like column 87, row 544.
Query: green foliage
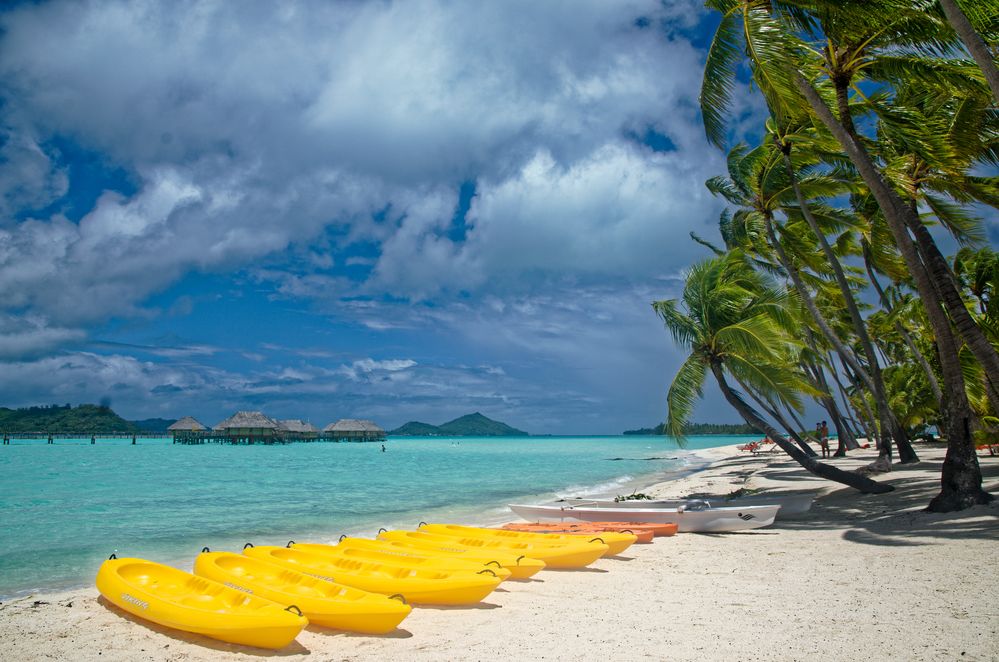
column 693, row 429
column 84, row 419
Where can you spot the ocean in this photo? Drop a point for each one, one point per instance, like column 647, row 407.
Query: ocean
column 69, row 505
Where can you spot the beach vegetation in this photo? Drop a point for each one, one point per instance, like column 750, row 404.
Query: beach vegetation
column 880, row 127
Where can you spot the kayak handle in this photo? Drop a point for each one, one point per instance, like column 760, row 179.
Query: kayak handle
column 112, row 557
column 498, row 564
column 627, row 531
column 205, row 549
column 421, row 524
column 290, row 543
column 400, row 597
column 249, row 544
column 382, row 529
column 344, row 535
column 600, row 540
column 297, row 610
column 522, row 556
column 487, row 570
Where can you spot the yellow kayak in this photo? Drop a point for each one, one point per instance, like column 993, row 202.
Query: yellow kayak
column 569, row 555
column 180, row 600
column 323, row 602
column 432, row 587
column 520, row 566
column 353, row 548
column 616, row 542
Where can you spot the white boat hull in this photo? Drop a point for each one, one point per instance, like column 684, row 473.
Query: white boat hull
column 707, row 520
column 790, row 505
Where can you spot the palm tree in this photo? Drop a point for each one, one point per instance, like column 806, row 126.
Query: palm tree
column 734, row 322
column 780, row 61
column 973, row 41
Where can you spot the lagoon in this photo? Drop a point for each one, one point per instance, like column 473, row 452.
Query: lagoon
column 68, row 505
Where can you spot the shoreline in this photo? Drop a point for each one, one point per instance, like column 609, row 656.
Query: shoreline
column 858, row 576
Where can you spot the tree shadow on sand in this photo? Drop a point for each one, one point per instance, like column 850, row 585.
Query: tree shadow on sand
column 899, row 518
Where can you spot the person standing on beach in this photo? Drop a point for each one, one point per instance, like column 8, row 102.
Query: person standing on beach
column 824, row 439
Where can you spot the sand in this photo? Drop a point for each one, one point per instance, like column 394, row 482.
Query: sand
column 859, row 577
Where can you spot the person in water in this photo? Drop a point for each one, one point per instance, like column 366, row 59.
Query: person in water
column 383, row 448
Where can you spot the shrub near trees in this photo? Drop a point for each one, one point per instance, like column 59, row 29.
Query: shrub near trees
column 880, row 128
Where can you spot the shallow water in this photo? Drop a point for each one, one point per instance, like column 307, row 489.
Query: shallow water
column 67, row 506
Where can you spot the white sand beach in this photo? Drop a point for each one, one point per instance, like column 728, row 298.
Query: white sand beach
column 859, row 577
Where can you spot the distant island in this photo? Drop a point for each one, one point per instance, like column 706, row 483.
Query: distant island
column 470, row 425
column 699, row 428
column 64, row 418
column 154, row 424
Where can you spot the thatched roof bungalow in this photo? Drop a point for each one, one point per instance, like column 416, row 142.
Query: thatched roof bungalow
column 187, row 424
column 353, row 429
column 299, row 429
column 249, row 424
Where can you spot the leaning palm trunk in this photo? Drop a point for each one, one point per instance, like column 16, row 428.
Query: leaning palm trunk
column 973, row 42
column 771, row 409
column 867, row 416
column 897, row 432
column 931, row 378
column 961, row 478
column 846, row 355
column 856, row 481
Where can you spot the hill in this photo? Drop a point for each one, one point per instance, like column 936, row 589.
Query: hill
column 470, row 425
column 699, row 428
column 64, row 418
column 154, row 424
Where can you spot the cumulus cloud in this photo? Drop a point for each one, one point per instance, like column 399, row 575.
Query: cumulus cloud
column 322, row 148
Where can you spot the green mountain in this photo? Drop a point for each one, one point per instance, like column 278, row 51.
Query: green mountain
column 470, row 425
column 154, row 424
column 64, row 418
column 416, row 429
column 699, row 428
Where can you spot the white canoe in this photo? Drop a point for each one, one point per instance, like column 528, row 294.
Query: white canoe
column 705, row 520
column 790, row 504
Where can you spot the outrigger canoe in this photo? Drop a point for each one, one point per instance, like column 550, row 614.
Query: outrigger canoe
column 686, row 519
column 180, row 600
column 519, row 565
column 569, row 555
column 616, row 542
column 432, row 587
column 790, row 504
column 348, row 548
column 323, row 602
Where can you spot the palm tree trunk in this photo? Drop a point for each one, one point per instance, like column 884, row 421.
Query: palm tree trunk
column 844, row 437
column 961, row 478
column 856, row 481
column 906, row 454
column 873, row 433
column 973, row 42
column 931, row 378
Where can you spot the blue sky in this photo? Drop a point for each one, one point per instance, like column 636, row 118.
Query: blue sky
column 385, row 210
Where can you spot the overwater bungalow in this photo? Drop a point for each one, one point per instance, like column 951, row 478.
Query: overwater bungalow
column 186, row 427
column 249, row 427
column 299, row 430
column 352, row 429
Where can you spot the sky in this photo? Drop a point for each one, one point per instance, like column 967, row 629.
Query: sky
column 388, row 210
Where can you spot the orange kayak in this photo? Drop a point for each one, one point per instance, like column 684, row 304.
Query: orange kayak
column 576, row 529
column 644, row 530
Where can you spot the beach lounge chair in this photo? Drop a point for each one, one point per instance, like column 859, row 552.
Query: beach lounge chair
column 750, row 447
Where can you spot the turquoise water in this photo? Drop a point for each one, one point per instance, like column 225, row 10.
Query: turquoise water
column 67, row 506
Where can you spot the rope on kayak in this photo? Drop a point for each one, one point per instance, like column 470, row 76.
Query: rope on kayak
column 205, row 549
column 498, row 564
column 344, row 535
column 249, row 544
column 522, row 556
column 112, row 557
column 290, row 543
column 422, row 524
column 380, row 530
column 487, row 570
column 297, row 610
column 400, row 597
column 600, row 540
